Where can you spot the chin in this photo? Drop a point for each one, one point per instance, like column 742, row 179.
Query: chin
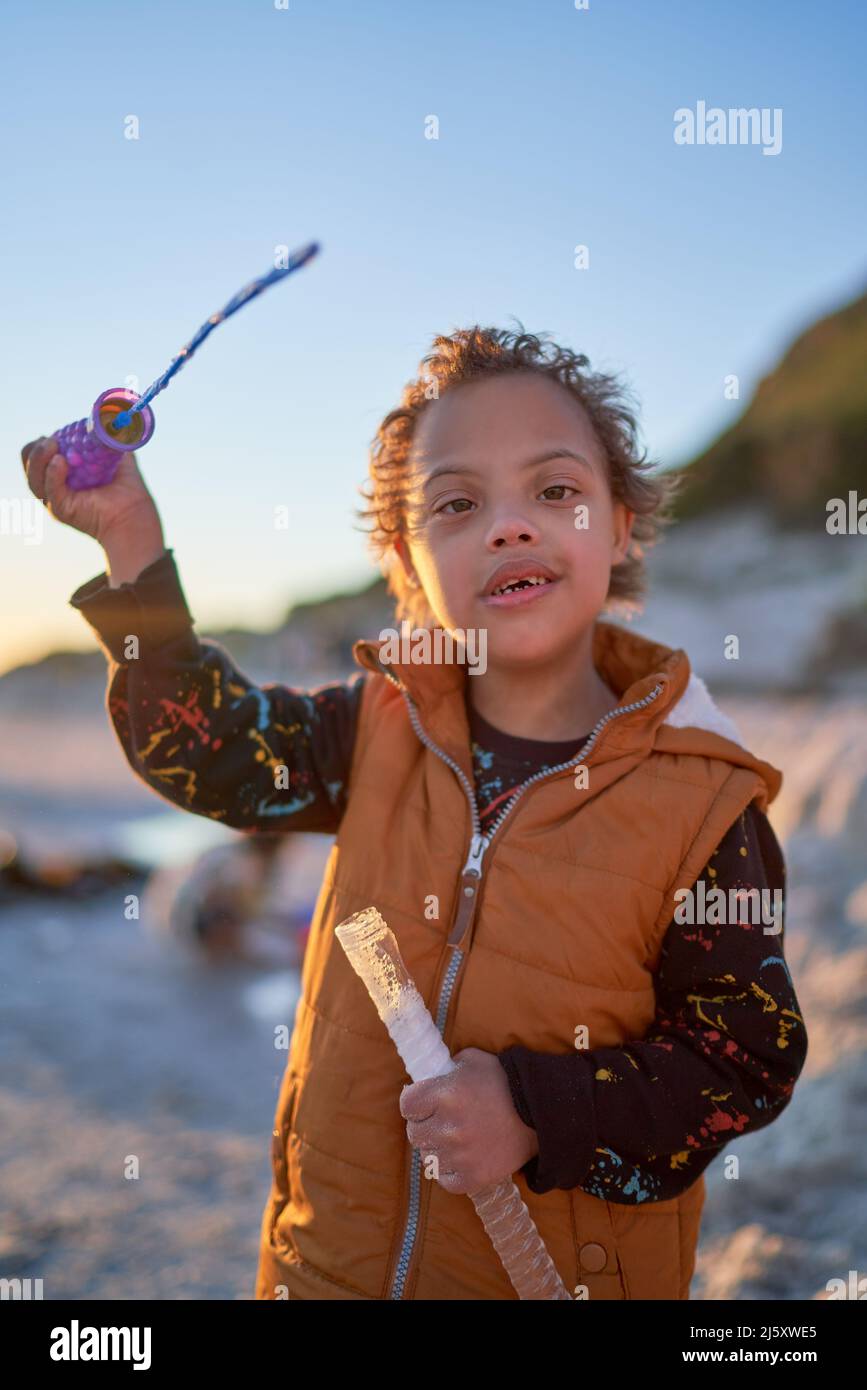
column 531, row 648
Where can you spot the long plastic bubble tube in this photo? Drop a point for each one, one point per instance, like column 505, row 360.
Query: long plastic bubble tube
column 374, row 954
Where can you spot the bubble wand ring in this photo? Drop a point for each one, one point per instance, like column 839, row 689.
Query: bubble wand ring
column 121, row 420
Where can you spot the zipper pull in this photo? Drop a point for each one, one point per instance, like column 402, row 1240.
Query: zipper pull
column 478, row 845
column 469, row 891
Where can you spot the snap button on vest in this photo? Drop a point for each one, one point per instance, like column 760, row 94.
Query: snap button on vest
column 593, row 1257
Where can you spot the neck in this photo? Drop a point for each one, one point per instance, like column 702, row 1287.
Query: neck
column 555, row 700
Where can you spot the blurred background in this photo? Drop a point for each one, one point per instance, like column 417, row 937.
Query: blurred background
column 726, row 284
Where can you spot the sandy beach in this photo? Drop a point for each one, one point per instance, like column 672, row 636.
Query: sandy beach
column 116, row 1045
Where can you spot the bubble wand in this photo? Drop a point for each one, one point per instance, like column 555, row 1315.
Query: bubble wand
column 374, row 955
column 121, row 420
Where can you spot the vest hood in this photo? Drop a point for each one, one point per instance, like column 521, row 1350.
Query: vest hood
column 681, row 716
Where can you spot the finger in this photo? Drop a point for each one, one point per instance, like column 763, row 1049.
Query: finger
column 36, row 462
column 452, row 1182
column 38, row 445
column 26, row 451
column 55, row 480
column 421, row 1132
column 418, row 1099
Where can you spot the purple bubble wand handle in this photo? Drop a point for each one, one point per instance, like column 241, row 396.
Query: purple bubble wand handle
column 121, row 420
column 93, row 447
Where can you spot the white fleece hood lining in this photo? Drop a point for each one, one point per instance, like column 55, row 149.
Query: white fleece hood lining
column 697, row 709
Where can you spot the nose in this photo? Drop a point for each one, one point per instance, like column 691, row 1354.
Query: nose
column 510, row 528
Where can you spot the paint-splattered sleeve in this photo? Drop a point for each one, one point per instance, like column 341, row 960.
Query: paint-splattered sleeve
column 200, row 732
column 642, row 1121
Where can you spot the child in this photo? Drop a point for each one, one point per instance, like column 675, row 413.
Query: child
column 530, row 832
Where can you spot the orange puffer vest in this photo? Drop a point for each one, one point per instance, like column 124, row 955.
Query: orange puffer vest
column 553, row 922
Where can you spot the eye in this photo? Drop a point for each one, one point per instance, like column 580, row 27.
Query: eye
column 554, row 487
column 453, row 502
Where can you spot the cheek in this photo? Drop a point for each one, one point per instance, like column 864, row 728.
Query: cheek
column 592, row 545
column 591, row 560
column 445, row 587
column 440, row 553
column 443, row 570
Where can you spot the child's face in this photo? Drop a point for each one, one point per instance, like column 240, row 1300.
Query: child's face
column 492, row 482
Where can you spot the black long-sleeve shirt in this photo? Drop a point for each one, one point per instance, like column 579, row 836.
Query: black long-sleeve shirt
column 631, row 1123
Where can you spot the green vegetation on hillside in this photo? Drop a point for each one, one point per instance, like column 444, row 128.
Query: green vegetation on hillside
column 803, row 437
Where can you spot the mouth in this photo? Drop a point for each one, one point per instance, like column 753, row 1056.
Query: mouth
column 519, row 592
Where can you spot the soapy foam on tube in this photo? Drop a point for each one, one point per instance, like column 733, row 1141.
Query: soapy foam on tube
column 374, row 955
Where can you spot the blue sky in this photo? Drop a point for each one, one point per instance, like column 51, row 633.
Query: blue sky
column 261, row 127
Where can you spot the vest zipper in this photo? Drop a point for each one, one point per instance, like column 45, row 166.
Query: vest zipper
column 470, row 887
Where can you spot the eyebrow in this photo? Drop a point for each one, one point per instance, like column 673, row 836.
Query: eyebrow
column 534, row 462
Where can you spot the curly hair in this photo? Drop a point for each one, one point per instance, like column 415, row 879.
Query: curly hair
column 471, row 354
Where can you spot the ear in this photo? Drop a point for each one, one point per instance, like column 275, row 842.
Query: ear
column 403, row 553
column 622, row 532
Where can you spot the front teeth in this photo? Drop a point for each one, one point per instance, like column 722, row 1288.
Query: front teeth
column 529, row 579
